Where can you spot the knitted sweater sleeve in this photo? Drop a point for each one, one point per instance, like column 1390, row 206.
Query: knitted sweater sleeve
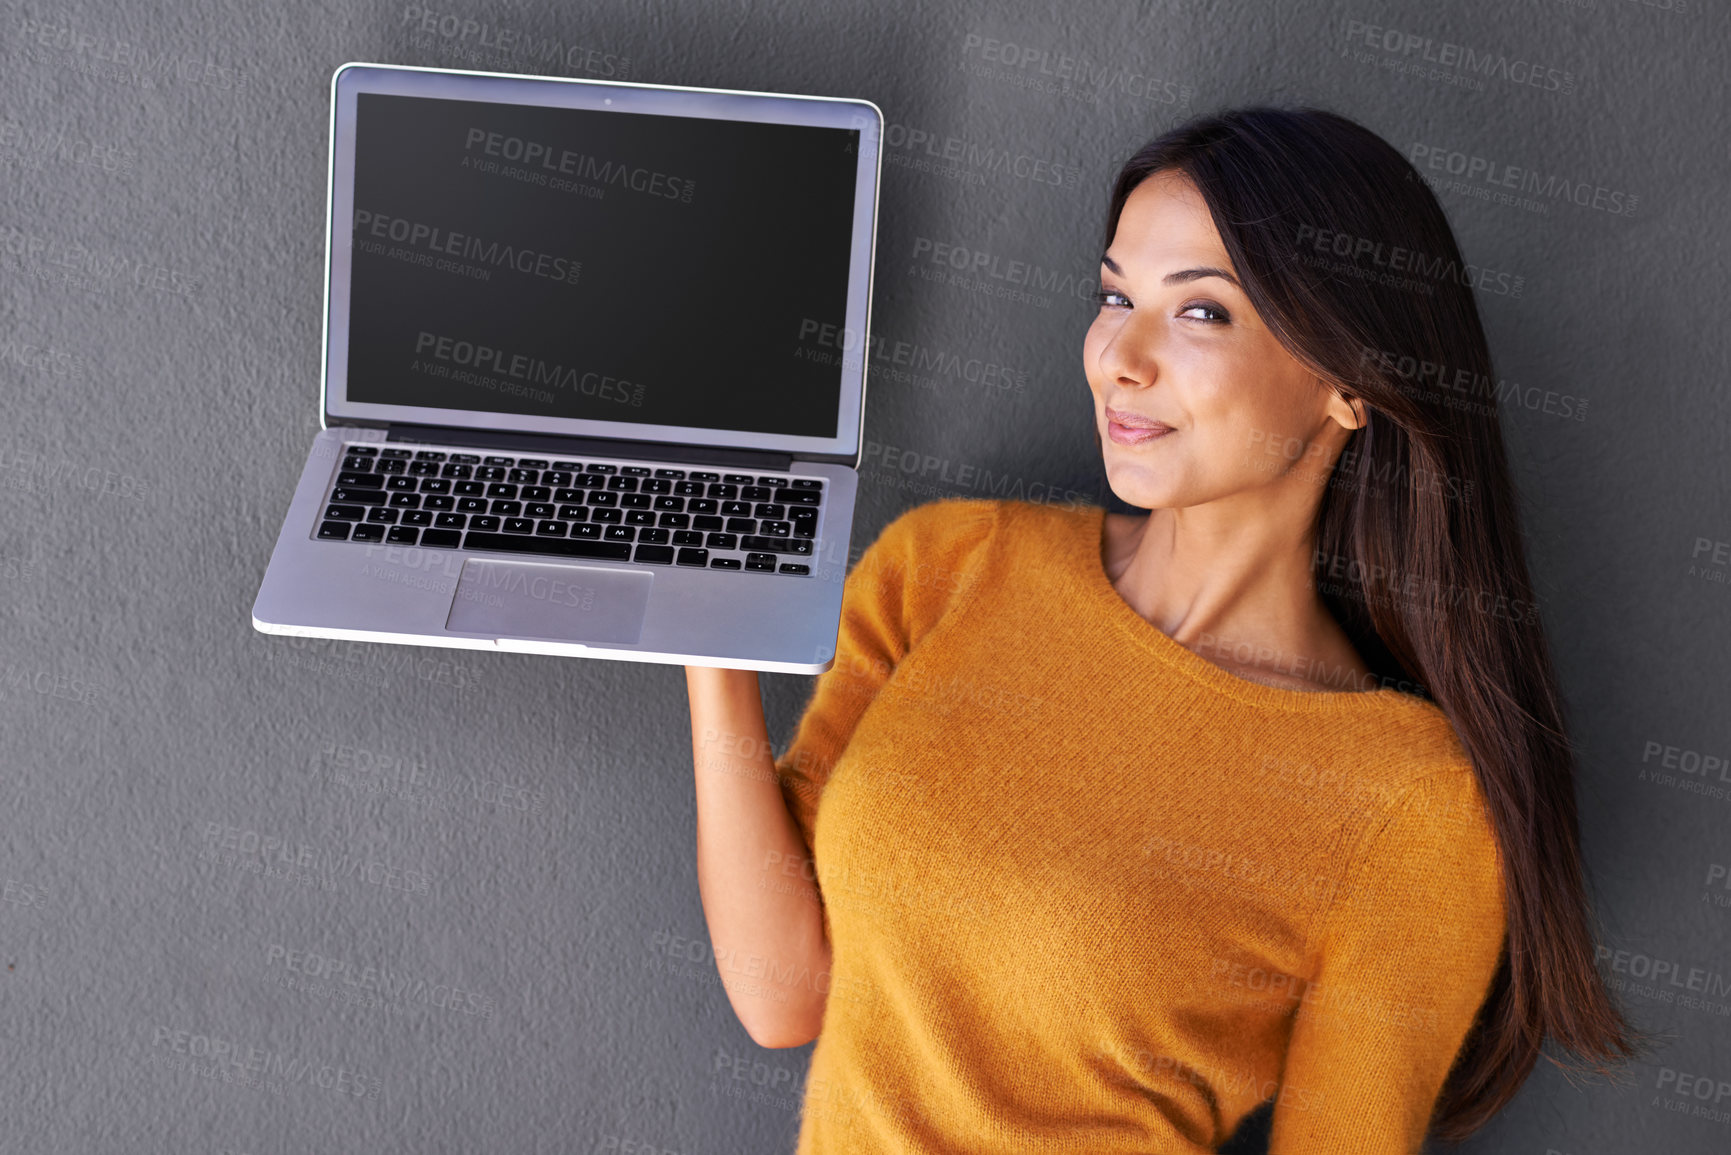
column 922, row 563
column 1408, row 948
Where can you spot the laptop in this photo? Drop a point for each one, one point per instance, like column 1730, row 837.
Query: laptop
column 593, row 377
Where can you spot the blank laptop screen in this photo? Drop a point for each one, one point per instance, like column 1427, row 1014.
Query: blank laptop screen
column 607, row 265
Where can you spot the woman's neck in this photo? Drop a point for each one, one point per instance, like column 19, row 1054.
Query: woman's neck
column 1237, row 592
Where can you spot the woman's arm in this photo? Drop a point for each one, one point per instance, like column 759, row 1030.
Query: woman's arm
column 754, row 871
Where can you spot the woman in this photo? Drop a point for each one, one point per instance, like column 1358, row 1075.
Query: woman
column 1130, row 824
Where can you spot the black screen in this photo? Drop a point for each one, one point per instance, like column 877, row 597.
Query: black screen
column 605, row 265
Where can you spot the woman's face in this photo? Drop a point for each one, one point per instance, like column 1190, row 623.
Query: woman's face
column 1176, row 342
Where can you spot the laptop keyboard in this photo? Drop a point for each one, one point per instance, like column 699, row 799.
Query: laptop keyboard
column 615, row 510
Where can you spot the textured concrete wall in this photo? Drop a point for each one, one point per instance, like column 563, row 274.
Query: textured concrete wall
column 161, row 236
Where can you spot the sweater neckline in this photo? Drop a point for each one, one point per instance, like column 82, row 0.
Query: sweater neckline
column 1091, row 527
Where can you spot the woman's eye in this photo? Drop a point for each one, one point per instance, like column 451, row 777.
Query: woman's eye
column 1108, row 297
column 1219, row 314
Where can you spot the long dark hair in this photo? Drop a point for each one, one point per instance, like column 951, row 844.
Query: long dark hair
column 1348, row 258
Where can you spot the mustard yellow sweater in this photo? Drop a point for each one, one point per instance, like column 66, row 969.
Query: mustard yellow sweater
column 1087, row 891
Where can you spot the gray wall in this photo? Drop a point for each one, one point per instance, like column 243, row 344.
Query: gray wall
column 161, row 238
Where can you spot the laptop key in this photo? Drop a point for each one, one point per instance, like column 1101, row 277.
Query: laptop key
column 471, row 505
column 658, row 554
column 586, row 529
column 405, row 501
column 345, row 512
column 486, row 521
column 363, row 450
column 799, row 497
column 349, row 496
column 562, row 546
column 383, row 514
column 450, row 520
column 550, row 528
column 687, row 537
column 736, row 509
column 400, row 484
column 334, row 530
column 417, row 517
column 741, row 525
column 706, row 521
column 438, row 501
column 690, row 556
column 620, row 533
column 776, row 544
column 639, row 517
column 368, row 531
column 795, row 567
column 402, row 535
column 737, row 478
column 723, row 563
column 443, row 538
column 519, row 525
column 652, row 535
column 762, row 562
column 722, row 541
column 806, row 483
column 361, row 480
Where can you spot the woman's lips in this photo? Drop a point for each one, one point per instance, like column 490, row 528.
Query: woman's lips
column 1133, row 429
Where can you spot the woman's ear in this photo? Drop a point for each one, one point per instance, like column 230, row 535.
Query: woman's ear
column 1347, row 410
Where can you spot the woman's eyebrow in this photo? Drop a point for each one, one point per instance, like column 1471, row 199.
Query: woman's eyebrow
column 1181, row 275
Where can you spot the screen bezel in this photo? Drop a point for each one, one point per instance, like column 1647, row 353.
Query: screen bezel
column 357, row 77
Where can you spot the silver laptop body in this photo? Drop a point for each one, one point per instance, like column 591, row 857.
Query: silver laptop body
column 593, row 377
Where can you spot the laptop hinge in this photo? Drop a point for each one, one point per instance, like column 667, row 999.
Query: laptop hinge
column 590, row 446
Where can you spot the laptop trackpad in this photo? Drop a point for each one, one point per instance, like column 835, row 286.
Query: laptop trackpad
column 573, row 603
